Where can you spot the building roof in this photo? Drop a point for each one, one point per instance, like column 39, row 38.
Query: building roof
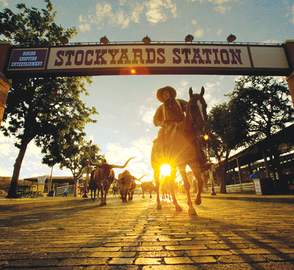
column 284, row 139
column 55, row 179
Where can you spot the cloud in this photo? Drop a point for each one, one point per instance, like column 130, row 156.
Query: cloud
column 4, row 171
column 140, row 148
column 136, row 12
column 7, row 148
column 292, row 13
column 219, row 6
column 199, row 33
column 157, row 10
column 126, row 13
column 105, row 14
column 84, row 26
column 3, row 3
column 147, row 114
column 194, row 22
column 222, row 6
column 32, row 163
column 219, row 32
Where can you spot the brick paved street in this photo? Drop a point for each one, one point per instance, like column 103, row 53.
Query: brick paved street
column 64, row 233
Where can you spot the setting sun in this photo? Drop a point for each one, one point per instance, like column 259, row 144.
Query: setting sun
column 165, row 170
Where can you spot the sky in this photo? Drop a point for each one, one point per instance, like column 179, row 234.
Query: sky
column 126, row 104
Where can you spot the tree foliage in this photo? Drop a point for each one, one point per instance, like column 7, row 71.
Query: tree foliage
column 41, row 109
column 229, row 131
column 266, row 105
column 73, row 155
column 33, row 27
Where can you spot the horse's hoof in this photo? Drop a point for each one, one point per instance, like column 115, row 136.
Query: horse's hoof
column 158, row 207
column 179, row 208
column 192, row 212
column 198, row 201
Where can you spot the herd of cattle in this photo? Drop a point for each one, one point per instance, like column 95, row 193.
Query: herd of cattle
column 103, row 177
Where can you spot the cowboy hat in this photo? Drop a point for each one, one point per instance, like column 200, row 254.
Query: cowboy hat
column 160, row 92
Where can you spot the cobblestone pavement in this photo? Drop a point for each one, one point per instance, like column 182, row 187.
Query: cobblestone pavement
column 64, row 233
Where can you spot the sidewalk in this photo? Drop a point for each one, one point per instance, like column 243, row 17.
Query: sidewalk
column 251, row 197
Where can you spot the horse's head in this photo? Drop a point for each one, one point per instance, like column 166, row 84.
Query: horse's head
column 197, row 109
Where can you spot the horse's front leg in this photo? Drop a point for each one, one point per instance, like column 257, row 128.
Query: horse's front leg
column 157, row 186
column 191, row 210
column 198, row 175
column 172, row 190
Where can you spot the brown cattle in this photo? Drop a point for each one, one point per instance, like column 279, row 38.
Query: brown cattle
column 127, row 185
column 148, row 187
column 102, row 178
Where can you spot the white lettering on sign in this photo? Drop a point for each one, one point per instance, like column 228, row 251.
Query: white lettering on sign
column 148, row 56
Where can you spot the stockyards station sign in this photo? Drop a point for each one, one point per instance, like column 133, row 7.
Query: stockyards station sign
column 155, row 58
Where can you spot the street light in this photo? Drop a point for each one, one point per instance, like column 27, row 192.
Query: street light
column 104, row 40
column 189, row 38
column 206, row 139
column 146, row 40
column 231, row 38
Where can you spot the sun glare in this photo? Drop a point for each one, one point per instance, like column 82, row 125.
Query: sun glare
column 165, row 170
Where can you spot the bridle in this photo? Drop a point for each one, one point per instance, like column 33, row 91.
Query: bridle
column 196, row 112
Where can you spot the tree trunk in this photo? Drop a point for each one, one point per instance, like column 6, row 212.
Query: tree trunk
column 17, row 165
column 75, row 186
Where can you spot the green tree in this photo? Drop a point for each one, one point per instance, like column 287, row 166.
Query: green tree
column 229, row 131
column 266, row 105
column 40, row 108
column 268, row 109
column 73, row 153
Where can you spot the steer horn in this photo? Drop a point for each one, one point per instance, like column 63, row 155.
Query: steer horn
column 121, row 166
column 139, row 179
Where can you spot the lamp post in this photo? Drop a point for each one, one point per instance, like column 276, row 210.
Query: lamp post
column 50, row 186
column 210, row 172
column 88, row 171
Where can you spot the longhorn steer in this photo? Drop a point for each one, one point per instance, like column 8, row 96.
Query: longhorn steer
column 148, row 187
column 103, row 176
column 127, row 185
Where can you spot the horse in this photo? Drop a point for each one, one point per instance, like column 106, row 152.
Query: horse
column 192, row 130
column 102, row 177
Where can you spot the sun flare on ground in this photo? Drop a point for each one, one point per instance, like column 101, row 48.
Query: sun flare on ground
column 165, row 170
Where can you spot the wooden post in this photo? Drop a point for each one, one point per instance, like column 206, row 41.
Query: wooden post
column 4, row 84
column 4, row 88
column 290, row 81
column 289, row 48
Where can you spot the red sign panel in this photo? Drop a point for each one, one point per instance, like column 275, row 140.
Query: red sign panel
column 28, row 59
